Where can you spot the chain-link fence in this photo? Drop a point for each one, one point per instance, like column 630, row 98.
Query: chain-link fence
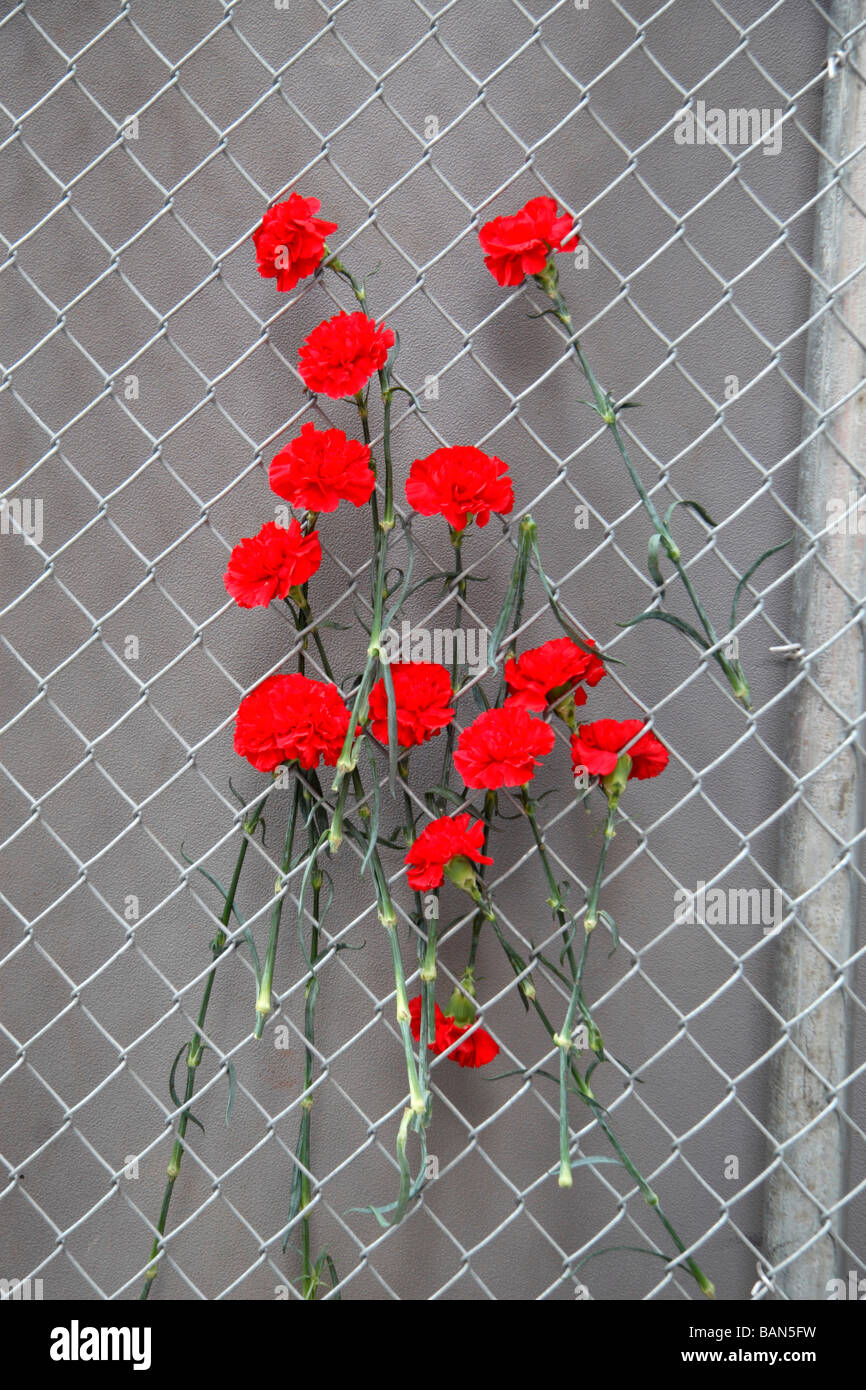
column 150, row 375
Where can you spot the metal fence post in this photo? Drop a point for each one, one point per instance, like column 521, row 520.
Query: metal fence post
column 819, row 852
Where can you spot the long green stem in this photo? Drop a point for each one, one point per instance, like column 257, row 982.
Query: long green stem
column 426, row 950
column 346, row 760
column 388, row 918
column 598, row 1111
column 556, row 903
column 310, row 994
column 457, row 543
column 549, row 282
column 263, row 1000
column 565, row 1044
column 195, row 1050
column 387, row 521
column 359, row 290
column 306, row 626
column 364, row 414
column 564, row 1040
column 609, row 833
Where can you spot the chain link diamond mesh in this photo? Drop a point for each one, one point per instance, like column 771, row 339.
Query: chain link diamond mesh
column 149, row 376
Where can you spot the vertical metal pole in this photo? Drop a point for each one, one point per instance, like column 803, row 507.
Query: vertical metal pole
column 816, row 858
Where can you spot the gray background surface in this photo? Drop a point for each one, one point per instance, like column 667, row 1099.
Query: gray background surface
column 137, row 261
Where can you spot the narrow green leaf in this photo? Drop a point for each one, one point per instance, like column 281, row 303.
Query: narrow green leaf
column 391, row 358
column 521, row 1071
column 214, row 881
column 774, row 549
column 567, row 627
column 308, row 869
column 655, row 541
column 401, row 598
column 408, row 1189
column 411, row 394
column 610, row 1249
column 672, row 620
column 373, row 833
column 593, row 1159
column 302, row 1149
column 448, row 794
column 508, row 602
column 611, row 926
column 254, row 955
column 479, row 697
column 393, row 740
column 332, row 1270
column 174, row 1095
column 233, row 1086
column 693, row 506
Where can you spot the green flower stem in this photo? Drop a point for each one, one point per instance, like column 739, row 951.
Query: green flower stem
column 704, row 1284
column 306, row 625
column 564, row 1040
column 359, row 290
column 196, row 1048
column 263, row 1000
column 477, row 923
column 309, row 1281
column 335, row 831
column 427, row 961
column 363, row 809
column 565, row 1044
column 556, row 903
column 549, row 283
column 388, row 918
column 486, row 913
column 361, row 403
column 457, row 543
column 346, row 760
column 387, row 522
column 426, row 948
column 591, row 916
column 600, row 1114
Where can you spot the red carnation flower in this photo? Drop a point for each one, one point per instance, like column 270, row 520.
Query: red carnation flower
column 520, row 245
column 291, row 717
column 478, row 1049
column 322, row 468
column 290, row 243
column 422, row 691
column 341, row 354
column 439, row 843
column 502, row 748
column 268, row 565
column 597, row 747
column 458, row 483
column 543, row 675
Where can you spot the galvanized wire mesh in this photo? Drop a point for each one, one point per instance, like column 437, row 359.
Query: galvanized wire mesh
column 150, row 376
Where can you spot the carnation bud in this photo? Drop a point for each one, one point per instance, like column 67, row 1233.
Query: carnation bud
column 461, row 872
column 548, row 278
column 461, row 1008
column 565, row 708
column 615, row 782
